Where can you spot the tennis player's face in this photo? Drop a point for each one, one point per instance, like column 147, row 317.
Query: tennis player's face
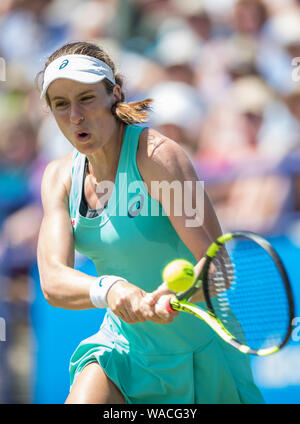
column 83, row 113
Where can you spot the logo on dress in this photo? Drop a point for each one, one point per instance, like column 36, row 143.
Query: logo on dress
column 137, row 205
column 64, row 64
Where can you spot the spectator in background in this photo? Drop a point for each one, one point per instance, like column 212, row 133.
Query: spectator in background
column 27, row 33
column 284, row 30
column 143, row 22
column 177, row 113
column 20, row 176
column 91, row 20
column 21, row 170
column 21, row 167
column 245, row 179
column 176, row 48
column 247, row 21
column 249, row 17
column 231, row 128
column 293, row 102
column 291, row 163
column 281, row 43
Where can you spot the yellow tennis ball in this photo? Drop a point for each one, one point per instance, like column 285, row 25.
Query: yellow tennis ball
column 179, row 275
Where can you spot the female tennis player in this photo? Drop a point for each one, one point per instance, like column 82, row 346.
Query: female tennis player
column 102, row 201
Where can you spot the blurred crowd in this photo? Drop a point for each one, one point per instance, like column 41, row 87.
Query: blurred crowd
column 225, row 79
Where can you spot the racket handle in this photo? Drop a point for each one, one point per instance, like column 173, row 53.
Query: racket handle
column 164, row 302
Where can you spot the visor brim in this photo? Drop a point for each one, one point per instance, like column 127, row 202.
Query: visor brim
column 79, row 76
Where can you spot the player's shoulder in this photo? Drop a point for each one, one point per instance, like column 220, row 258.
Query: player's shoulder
column 58, row 172
column 157, row 146
column 161, row 155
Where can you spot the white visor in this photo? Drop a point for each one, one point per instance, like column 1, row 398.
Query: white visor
column 77, row 67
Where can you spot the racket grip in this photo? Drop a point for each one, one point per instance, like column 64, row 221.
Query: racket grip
column 164, row 302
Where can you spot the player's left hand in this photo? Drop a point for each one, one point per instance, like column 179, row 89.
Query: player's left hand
column 158, row 313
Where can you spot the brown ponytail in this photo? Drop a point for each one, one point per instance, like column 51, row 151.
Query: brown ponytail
column 132, row 112
column 129, row 113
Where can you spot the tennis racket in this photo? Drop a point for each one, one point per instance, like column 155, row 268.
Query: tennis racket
column 248, row 297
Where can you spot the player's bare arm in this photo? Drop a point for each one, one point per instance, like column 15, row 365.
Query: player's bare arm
column 62, row 285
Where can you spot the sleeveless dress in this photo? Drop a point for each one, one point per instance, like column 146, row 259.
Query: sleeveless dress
column 183, row 362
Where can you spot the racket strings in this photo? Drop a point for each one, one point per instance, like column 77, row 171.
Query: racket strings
column 248, row 294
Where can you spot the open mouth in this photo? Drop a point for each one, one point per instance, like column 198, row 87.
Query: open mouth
column 83, row 135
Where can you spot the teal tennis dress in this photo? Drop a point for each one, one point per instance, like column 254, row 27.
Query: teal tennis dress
column 184, row 362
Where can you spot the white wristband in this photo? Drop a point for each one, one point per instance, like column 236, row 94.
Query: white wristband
column 100, row 287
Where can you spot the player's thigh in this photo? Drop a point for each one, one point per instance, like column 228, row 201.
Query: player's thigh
column 93, row 386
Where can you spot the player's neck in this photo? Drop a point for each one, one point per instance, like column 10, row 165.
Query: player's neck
column 103, row 164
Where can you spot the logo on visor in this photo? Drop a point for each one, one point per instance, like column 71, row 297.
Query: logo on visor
column 64, row 64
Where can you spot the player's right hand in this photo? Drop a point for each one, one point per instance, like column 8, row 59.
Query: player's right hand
column 124, row 300
column 133, row 305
